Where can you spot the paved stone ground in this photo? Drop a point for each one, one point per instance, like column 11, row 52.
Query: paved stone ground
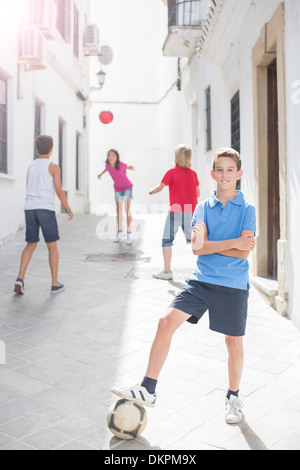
column 64, row 353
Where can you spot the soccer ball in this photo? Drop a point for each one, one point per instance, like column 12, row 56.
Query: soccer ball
column 126, row 419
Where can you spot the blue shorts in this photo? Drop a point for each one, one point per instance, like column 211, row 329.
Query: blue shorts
column 44, row 219
column 228, row 308
column 173, row 222
column 123, row 195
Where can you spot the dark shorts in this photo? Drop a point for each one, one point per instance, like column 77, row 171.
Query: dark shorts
column 44, row 219
column 228, row 308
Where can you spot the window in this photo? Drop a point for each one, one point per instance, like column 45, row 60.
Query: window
column 235, row 123
column 61, row 132
column 3, row 124
column 61, row 156
column 195, row 125
column 208, row 120
column 172, row 12
column 236, row 126
column 64, row 18
column 184, row 13
column 76, row 32
column 37, row 125
column 78, row 162
column 188, row 13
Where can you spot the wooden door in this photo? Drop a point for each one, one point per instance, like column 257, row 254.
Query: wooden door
column 273, row 171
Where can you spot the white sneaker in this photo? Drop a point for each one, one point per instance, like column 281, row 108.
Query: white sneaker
column 55, row 290
column 164, row 275
column 136, row 393
column 118, row 237
column 19, row 286
column 234, row 407
column 129, row 239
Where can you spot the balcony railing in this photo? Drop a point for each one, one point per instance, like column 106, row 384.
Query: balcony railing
column 185, row 13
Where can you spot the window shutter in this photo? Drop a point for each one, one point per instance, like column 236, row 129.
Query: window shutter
column 68, row 20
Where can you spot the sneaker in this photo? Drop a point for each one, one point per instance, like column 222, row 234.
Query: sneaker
column 19, row 286
column 118, row 237
column 136, row 393
column 234, row 413
column 57, row 289
column 164, row 275
column 129, row 239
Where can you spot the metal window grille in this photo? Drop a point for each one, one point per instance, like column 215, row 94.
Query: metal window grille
column 64, row 18
column 236, row 126
column 61, row 148
column 235, row 123
column 76, row 32
column 37, row 126
column 184, row 13
column 78, row 161
column 208, row 120
column 3, row 125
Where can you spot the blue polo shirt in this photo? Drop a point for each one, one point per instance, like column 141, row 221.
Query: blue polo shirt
column 224, row 223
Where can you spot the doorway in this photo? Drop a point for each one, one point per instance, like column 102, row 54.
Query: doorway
column 270, row 162
column 273, row 171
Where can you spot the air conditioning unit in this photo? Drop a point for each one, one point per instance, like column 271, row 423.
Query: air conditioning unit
column 91, row 40
column 32, row 48
column 43, row 16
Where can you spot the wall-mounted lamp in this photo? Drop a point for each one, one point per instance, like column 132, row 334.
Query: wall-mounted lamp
column 101, row 78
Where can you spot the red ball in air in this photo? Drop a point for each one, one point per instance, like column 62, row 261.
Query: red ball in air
column 106, row 117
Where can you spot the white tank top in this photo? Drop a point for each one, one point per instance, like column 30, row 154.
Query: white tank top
column 40, row 186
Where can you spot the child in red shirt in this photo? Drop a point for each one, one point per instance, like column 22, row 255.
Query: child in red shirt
column 184, row 193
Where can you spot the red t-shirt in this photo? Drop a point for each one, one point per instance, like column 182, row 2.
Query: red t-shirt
column 183, row 183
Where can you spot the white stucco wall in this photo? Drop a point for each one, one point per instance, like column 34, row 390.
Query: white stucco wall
column 229, row 71
column 292, row 9
column 55, row 87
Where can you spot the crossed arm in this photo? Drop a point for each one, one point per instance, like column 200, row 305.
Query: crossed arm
column 235, row 248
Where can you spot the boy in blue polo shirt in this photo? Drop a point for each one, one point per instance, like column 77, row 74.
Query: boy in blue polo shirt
column 224, row 227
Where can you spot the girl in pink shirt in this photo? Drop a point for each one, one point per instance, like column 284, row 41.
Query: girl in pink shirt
column 123, row 191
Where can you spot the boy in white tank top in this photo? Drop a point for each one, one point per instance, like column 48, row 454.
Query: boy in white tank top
column 43, row 182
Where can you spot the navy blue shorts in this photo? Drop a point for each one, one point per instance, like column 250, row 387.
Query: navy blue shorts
column 228, row 308
column 44, row 219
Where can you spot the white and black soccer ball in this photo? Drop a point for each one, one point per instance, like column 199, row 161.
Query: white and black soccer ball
column 126, row 419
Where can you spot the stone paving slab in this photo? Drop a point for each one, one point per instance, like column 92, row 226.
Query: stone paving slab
column 64, row 353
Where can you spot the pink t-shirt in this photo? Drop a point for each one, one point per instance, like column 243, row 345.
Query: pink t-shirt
column 122, row 182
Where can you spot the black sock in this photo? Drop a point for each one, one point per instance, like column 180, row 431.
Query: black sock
column 149, row 384
column 230, row 392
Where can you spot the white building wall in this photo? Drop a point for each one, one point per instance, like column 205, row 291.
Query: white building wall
column 292, row 11
column 229, row 72
column 55, row 88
